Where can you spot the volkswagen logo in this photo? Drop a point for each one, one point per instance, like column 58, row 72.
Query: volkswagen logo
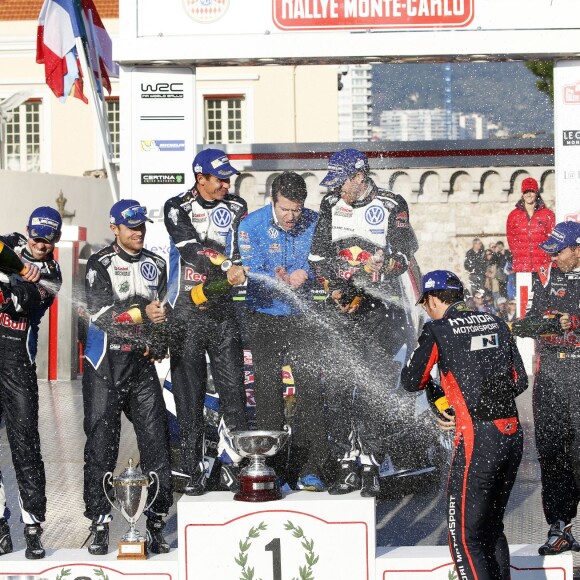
column 273, row 233
column 221, row 217
column 149, row 271
column 375, row 215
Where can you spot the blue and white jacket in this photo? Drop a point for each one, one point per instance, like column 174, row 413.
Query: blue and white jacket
column 264, row 246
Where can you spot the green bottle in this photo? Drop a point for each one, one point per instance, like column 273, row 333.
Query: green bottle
column 9, row 260
column 207, row 290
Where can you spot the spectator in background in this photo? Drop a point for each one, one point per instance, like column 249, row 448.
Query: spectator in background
column 501, row 307
column 475, row 264
column 502, row 258
column 528, row 225
column 511, row 311
column 491, row 281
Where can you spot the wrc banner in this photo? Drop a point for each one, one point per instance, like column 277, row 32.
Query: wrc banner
column 159, row 104
column 567, row 139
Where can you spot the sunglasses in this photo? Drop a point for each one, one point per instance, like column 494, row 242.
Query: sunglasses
column 134, row 212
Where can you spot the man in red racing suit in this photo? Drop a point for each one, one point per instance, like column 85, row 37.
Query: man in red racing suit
column 481, row 373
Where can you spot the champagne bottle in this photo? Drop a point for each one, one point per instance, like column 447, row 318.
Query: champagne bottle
column 203, row 292
column 537, row 325
column 438, row 400
column 9, row 260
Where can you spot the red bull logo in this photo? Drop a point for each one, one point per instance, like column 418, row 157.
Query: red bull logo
column 191, row 275
column 7, row 322
column 354, row 255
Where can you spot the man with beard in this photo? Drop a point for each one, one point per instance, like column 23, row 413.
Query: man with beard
column 362, row 244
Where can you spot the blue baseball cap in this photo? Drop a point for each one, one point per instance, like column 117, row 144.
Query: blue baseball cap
column 439, row 280
column 343, row 164
column 128, row 212
column 45, row 223
column 214, row 162
column 563, row 235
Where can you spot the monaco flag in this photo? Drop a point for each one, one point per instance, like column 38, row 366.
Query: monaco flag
column 60, row 23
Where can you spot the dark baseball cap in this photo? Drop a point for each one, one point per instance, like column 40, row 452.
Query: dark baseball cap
column 344, row 164
column 439, row 280
column 214, row 162
column 563, row 235
column 45, row 223
column 129, row 212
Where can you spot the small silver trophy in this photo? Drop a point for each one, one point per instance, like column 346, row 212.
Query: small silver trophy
column 257, row 480
column 130, row 497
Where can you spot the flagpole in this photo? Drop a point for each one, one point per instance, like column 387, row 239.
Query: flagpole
column 102, row 124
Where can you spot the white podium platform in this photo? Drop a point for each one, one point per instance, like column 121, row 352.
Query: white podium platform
column 434, row 562
column 305, row 535
column 74, row 564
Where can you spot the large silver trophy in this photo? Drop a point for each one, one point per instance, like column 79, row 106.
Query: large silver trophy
column 130, row 496
column 257, row 480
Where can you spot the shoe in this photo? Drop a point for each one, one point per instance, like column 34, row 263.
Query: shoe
column 99, row 540
column 348, row 479
column 229, row 477
column 560, row 539
column 310, row 482
column 156, row 543
column 34, row 549
column 5, row 539
column 370, row 486
column 197, row 482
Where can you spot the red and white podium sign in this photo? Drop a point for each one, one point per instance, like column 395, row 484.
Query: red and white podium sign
column 301, row 536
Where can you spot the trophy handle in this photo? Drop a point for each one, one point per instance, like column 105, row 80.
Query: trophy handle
column 107, row 479
column 151, row 474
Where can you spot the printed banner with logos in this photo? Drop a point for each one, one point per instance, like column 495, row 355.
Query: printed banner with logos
column 158, row 142
column 567, row 139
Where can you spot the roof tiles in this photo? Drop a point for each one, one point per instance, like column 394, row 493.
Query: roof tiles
column 30, row 9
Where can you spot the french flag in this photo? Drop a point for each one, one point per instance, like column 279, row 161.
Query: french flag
column 60, row 23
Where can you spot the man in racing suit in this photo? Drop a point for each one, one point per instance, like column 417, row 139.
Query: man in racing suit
column 556, row 401
column 25, row 295
column 274, row 243
column 481, row 373
column 124, row 286
column 202, row 223
column 362, row 244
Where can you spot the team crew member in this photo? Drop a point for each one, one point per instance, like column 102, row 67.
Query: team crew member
column 362, row 244
column 556, row 401
column 275, row 242
column 24, row 298
column 481, row 373
column 124, row 286
column 202, row 223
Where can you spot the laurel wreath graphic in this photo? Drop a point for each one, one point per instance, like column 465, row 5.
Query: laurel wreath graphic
column 304, row 572
column 66, row 572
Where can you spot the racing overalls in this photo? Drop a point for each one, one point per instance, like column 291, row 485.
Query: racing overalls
column 119, row 378
column 556, row 402
column 195, row 225
column 22, row 305
column 358, row 357
column 481, row 373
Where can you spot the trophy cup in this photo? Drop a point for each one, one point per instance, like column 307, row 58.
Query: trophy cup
column 257, row 480
column 130, row 497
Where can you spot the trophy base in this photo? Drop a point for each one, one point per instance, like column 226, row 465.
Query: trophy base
column 132, row 551
column 258, row 488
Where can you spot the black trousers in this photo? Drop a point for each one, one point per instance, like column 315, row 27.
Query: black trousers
column 279, row 340
column 19, row 407
column 360, row 375
column 557, row 424
column 124, row 382
column 482, row 474
column 219, row 337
